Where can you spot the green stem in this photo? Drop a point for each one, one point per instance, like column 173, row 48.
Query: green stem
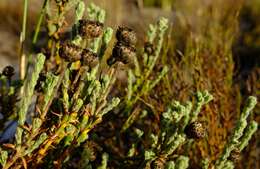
column 25, row 11
column 38, row 26
column 22, row 39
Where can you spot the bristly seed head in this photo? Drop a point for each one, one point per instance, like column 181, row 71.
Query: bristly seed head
column 70, row 52
column 126, row 35
column 89, row 58
column 90, row 29
column 8, row 71
column 121, row 53
column 195, row 130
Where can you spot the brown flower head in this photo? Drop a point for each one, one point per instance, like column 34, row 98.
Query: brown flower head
column 70, row 52
column 90, row 29
column 121, row 53
column 89, row 58
column 126, row 35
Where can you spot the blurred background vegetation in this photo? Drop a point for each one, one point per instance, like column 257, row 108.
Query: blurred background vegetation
column 212, row 45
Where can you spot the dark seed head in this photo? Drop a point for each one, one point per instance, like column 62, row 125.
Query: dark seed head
column 148, row 48
column 70, row 52
column 8, row 71
column 123, row 53
column 195, row 130
column 90, row 29
column 89, row 58
column 235, row 156
column 126, row 35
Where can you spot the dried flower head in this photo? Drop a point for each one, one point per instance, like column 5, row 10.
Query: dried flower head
column 70, row 52
column 89, row 58
column 149, row 48
column 126, row 35
column 90, row 29
column 8, row 71
column 195, row 130
column 121, row 53
column 235, row 156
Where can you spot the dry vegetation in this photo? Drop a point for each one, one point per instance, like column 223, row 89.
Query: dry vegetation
column 210, row 45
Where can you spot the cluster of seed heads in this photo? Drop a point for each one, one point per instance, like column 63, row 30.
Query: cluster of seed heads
column 71, row 53
column 124, row 48
column 90, row 29
column 195, row 130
